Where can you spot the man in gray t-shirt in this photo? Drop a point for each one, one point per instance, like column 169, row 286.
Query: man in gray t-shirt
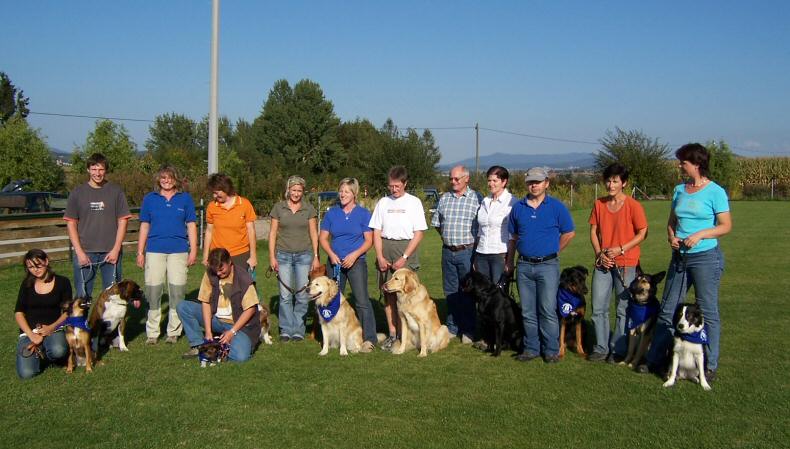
column 96, row 216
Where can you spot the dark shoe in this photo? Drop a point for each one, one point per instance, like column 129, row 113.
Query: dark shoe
column 614, row 359
column 297, row 338
column 551, row 359
column 645, row 369
column 386, row 345
column 193, row 352
column 710, row 375
column 284, row 339
column 596, row 357
column 526, row 357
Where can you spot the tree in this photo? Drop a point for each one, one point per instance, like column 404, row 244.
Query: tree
column 298, row 126
column 25, row 155
column 113, row 141
column 174, row 140
column 722, row 164
column 645, row 158
column 12, row 102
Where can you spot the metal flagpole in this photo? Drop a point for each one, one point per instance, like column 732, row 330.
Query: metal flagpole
column 213, row 134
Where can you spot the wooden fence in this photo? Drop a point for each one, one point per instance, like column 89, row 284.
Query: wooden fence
column 20, row 233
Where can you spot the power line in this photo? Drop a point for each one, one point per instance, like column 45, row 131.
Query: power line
column 554, row 139
column 93, row 117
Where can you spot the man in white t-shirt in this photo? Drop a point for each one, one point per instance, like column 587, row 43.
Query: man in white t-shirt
column 398, row 222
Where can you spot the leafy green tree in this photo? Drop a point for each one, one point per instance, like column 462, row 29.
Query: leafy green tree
column 722, row 165
column 646, row 159
column 174, row 140
column 113, row 141
column 12, row 101
column 299, row 127
column 418, row 153
column 25, row 155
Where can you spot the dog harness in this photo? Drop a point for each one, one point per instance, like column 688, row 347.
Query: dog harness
column 76, row 321
column 567, row 302
column 637, row 314
column 224, row 349
column 700, row 337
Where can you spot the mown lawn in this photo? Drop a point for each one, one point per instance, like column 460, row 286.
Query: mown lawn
column 288, row 397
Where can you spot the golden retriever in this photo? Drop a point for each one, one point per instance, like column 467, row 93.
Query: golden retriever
column 340, row 328
column 417, row 315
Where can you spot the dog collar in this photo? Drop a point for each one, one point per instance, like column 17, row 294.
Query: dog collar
column 329, row 311
column 224, row 349
column 567, row 302
column 700, row 337
column 75, row 321
column 638, row 314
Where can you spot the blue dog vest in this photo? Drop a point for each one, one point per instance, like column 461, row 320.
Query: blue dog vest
column 75, row 321
column 700, row 337
column 567, row 302
column 329, row 311
column 638, row 314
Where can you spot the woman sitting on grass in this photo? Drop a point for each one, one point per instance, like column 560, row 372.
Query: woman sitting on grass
column 38, row 313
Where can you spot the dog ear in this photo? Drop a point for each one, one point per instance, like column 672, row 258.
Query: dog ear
column 411, row 282
column 658, row 277
column 333, row 288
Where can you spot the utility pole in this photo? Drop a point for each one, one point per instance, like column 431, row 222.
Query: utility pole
column 477, row 149
column 213, row 134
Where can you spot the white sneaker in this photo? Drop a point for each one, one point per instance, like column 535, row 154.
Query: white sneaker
column 466, row 340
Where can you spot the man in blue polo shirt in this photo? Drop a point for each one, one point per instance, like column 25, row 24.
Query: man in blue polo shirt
column 166, row 246
column 540, row 227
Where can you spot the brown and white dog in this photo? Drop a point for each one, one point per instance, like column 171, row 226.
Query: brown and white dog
column 420, row 325
column 688, row 354
column 78, row 335
column 110, row 311
column 263, row 312
column 339, row 324
column 641, row 316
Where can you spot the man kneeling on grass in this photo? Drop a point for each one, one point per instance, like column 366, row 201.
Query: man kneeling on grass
column 228, row 305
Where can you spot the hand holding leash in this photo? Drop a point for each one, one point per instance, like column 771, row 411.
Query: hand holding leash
column 227, row 337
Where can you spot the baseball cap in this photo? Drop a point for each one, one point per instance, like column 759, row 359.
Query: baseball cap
column 536, row 174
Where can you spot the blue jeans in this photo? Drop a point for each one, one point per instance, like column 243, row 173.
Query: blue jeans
column 89, row 273
column 54, row 347
column 537, row 288
column 294, row 269
column 491, row 265
column 358, row 276
column 615, row 341
column 703, row 271
column 191, row 314
column 460, row 307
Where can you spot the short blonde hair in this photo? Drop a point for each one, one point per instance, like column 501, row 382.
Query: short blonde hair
column 294, row 181
column 352, row 184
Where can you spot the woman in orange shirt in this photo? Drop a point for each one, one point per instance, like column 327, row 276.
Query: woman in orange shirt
column 617, row 226
column 230, row 223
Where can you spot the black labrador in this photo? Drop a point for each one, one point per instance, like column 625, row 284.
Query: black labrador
column 500, row 316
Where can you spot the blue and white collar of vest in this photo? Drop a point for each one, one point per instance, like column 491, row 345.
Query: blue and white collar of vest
column 567, row 302
column 700, row 337
column 76, row 321
column 638, row 314
column 329, row 311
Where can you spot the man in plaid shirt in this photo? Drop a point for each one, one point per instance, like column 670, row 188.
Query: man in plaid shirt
column 456, row 221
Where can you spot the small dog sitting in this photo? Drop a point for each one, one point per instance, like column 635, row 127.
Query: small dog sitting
column 212, row 352
column 419, row 321
column 571, row 306
column 110, row 311
column 499, row 314
column 339, row 324
column 688, row 358
column 78, row 335
column 263, row 312
column 641, row 316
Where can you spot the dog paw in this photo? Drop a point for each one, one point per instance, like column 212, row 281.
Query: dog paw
column 707, row 387
column 669, row 383
column 422, row 354
column 323, row 353
column 343, row 352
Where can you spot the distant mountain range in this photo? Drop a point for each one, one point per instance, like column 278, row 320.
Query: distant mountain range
column 562, row 161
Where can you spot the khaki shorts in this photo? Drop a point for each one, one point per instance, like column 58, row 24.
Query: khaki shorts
column 393, row 250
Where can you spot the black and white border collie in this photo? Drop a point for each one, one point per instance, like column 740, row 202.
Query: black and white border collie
column 688, row 358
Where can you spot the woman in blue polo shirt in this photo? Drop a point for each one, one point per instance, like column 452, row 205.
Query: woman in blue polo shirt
column 351, row 237
column 166, row 246
column 700, row 215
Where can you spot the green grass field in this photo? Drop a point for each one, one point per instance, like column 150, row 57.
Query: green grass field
column 289, row 397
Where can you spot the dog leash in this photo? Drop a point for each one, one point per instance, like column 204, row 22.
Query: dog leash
column 93, row 268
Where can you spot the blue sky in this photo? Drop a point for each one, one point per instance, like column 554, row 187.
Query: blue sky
column 679, row 71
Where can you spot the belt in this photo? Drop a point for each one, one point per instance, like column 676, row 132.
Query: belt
column 457, row 248
column 537, row 259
